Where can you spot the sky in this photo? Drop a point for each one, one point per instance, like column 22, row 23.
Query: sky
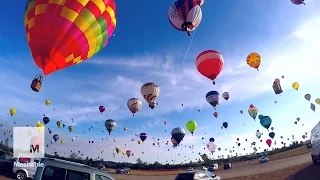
column 146, row 48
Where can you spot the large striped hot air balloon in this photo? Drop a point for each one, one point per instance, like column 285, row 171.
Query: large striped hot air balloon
column 62, row 33
column 185, row 15
column 210, row 63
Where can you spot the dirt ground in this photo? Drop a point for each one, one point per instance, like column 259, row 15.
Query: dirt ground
column 282, row 155
column 306, row 171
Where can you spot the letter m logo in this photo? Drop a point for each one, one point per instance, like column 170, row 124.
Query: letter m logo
column 34, row 148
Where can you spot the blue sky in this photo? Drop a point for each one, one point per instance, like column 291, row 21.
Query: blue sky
column 146, row 48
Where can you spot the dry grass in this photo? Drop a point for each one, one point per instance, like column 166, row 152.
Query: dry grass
column 277, row 175
column 290, row 153
column 282, row 155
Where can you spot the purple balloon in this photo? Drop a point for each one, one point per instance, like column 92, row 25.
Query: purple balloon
column 298, row 2
column 143, row 136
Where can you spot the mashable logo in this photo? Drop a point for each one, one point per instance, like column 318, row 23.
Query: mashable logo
column 28, row 164
column 34, row 148
column 28, row 142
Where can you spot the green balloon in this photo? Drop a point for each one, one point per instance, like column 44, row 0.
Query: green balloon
column 191, row 126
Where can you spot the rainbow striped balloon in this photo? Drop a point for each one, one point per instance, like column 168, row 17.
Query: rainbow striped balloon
column 62, row 33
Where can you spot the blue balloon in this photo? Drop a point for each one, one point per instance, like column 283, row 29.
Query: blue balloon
column 143, row 136
column 265, row 121
column 272, row 134
column 225, row 124
column 178, row 134
column 211, row 139
column 212, row 98
column 55, row 137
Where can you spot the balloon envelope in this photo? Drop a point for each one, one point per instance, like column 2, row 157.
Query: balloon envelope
column 210, row 64
column 64, row 33
column 178, row 134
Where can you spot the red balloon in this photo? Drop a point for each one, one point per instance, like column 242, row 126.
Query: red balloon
column 210, row 63
column 269, row 142
column 237, row 139
column 102, row 109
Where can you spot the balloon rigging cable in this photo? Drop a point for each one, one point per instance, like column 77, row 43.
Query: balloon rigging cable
column 185, row 56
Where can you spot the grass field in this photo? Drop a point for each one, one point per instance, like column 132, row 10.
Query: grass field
column 304, row 171
column 282, row 155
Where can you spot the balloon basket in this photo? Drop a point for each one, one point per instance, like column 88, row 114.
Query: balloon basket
column 36, row 85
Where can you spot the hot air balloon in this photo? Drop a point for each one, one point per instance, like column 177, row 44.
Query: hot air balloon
column 56, row 137
column 258, row 134
column 210, row 64
column 46, row 120
column 102, row 109
column 241, row 111
column 225, row 125
column 40, row 127
column 143, row 136
column 211, row 139
column 269, row 142
column 265, row 121
column 298, row 2
column 150, row 91
column 73, row 139
column 307, row 97
column 191, row 126
column 225, row 96
column 12, row 111
column 47, row 102
column 254, row 60
column 185, row 15
column 118, row 150
column 276, row 86
column 110, row 124
column 271, row 135
column 212, row 98
column 317, row 101
column 165, row 122
column 70, row 128
column 67, row 32
column 313, row 107
column 215, row 114
column 128, row 153
column 59, row 124
column 178, row 134
column 295, row 86
column 211, row 146
column 253, row 111
column 134, row 105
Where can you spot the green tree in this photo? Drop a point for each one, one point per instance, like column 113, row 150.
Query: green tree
column 139, row 161
column 73, row 155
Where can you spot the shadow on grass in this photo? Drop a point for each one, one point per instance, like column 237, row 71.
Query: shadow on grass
column 311, row 172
